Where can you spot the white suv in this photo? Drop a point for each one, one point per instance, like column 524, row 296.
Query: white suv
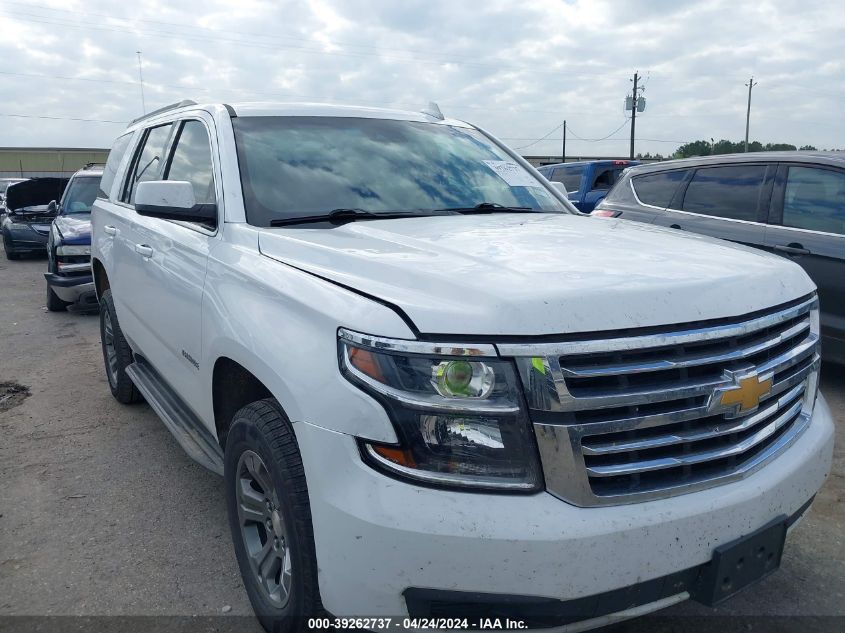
column 432, row 390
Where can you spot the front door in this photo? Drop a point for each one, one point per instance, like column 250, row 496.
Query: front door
column 807, row 225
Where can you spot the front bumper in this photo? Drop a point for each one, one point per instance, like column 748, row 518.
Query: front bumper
column 78, row 290
column 20, row 241
column 379, row 540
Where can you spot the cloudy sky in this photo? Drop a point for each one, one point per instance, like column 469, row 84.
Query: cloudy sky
column 69, row 69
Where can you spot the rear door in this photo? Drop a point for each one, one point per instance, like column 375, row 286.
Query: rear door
column 807, row 225
column 727, row 201
column 108, row 218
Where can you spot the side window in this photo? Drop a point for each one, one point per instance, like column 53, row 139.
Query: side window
column 148, row 161
column 112, row 163
column 814, row 199
column 605, row 178
column 569, row 176
column 731, row 192
column 191, row 161
column 658, row 189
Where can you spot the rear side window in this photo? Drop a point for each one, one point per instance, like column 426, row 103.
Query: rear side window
column 149, row 161
column 730, row 192
column 110, row 170
column 658, row 189
column 569, row 176
column 815, row 200
column 605, row 177
column 191, row 162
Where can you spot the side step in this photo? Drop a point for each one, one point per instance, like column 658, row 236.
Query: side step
column 186, row 427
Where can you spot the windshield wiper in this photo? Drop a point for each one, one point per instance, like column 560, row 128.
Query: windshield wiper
column 340, row 216
column 490, row 207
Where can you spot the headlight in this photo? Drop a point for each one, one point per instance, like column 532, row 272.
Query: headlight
column 459, row 419
column 73, row 250
column 20, row 226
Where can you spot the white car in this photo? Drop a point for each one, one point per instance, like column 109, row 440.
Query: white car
column 435, row 392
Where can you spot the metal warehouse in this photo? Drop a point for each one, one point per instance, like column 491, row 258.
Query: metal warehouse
column 29, row 162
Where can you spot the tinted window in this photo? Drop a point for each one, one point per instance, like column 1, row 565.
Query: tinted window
column 110, row 171
column 148, row 162
column 605, row 177
column 815, row 199
column 191, row 161
column 658, row 189
column 80, row 194
column 299, row 166
column 726, row 192
column 569, row 176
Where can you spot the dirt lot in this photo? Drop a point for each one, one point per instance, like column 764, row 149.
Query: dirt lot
column 101, row 513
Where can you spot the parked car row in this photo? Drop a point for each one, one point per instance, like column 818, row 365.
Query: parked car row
column 33, row 222
column 788, row 203
column 435, row 390
column 586, row 183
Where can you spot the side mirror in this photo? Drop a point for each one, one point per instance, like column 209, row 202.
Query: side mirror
column 172, row 200
column 561, row 187
column 52, row 208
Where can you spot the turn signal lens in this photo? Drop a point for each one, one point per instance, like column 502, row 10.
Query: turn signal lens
column 605, row 213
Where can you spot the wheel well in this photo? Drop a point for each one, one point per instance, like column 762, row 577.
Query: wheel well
column 101, row 279
column 233, row 387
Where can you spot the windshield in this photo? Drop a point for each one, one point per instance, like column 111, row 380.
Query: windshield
column 80, row 195
column 306, row 166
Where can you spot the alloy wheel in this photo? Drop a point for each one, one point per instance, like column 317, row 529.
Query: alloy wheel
column 263, row 529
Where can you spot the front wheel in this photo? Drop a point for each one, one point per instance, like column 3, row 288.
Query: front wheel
column 270, row 517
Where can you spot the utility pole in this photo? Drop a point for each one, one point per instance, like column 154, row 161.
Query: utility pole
column 750, row 85
column 141, row 81
column 563, row 149
column 633, row 114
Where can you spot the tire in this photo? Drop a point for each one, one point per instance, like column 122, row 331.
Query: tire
column 54, row 304
column 262, row 430
column 7, row 248
column 117, row 355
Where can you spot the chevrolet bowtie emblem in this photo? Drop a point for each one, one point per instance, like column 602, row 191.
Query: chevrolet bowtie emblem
column 744, row 392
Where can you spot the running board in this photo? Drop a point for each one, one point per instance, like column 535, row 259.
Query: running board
column 186, row 427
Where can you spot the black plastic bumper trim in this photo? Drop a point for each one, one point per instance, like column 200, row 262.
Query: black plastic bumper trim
column 63, row 281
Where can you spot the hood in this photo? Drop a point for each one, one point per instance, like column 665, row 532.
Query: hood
column 74, row 229
column 524, row 275
column 33, row 192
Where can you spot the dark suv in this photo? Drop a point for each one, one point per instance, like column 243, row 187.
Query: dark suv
column 789, row 203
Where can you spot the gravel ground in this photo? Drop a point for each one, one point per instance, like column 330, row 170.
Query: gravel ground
column 102, row 514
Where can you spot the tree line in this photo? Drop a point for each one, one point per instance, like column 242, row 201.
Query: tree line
column 706, row 148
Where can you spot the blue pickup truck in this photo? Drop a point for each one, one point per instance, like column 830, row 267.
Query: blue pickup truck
column 586, row 182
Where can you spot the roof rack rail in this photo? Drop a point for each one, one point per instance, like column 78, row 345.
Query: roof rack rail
column 172, row 106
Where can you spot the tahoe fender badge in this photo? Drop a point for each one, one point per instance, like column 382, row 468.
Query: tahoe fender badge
column 190, row 359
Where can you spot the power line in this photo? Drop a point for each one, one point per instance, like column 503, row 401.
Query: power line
column 542, row 138
column 59, row 118
column 604, row 138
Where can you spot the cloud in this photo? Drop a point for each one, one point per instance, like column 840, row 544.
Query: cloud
column 518, row 69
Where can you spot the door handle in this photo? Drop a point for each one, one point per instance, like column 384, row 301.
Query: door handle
column 144, row 250
column 108, row 229
column 792, row 249
column 674, row 226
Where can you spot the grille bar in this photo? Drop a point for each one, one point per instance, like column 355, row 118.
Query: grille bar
column 716, row 429
column 688, row 361
column 702, row 456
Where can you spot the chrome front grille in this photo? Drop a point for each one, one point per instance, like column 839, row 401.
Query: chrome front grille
column 643, row 415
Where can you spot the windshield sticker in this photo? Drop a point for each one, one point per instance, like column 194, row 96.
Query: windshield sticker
column 512, row 173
